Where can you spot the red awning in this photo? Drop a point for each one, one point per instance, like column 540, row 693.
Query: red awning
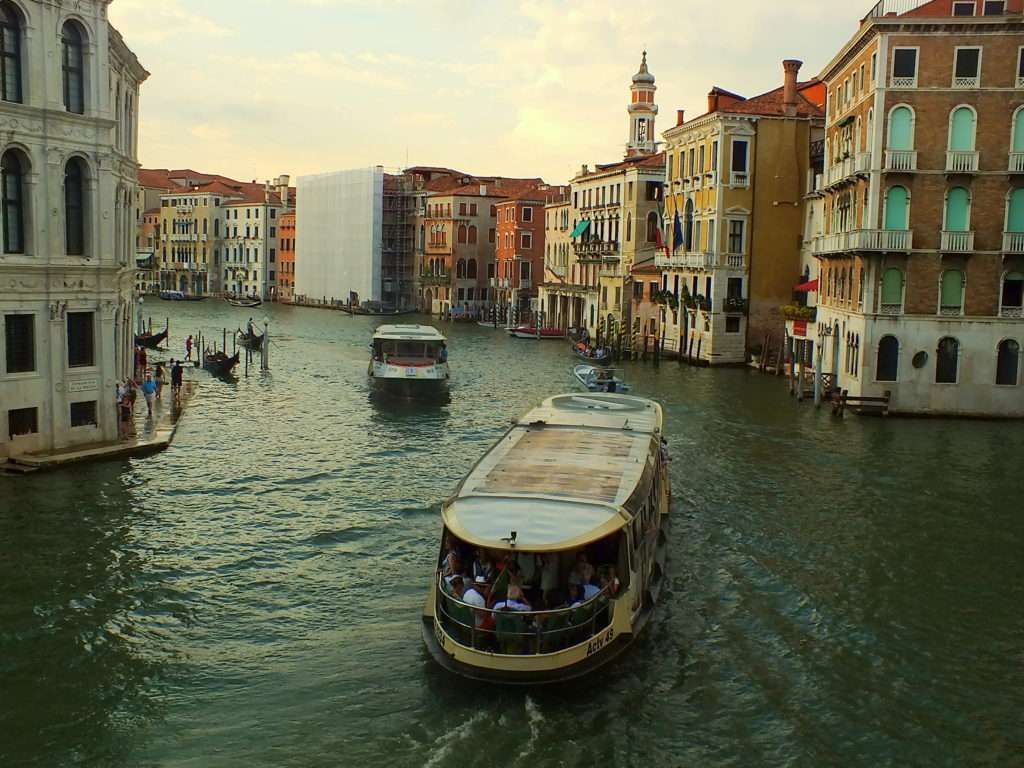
column 807, row 287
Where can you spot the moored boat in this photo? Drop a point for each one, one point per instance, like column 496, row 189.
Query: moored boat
column 219, row 364
column 593, row 355
column 253, row 341
column 151, row 340
column 409, row 360
column 532, row 332
column 595, row 378
column 247, row 302
column 573, row 501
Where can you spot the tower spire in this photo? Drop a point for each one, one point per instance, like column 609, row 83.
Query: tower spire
column 642, row 111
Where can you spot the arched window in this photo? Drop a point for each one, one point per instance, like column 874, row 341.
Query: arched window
column 1015, row 211
column 652, row 227
column 688, row 227
column 472, row 235
column 10, row 53
column 462, row 233
column 951, row 299
column 958, row 204
column 961, row 130
column 901, row 129
column 73, row 64
column 1008, row 363
column 947, row 361
column 1012, row 303
column 897, row 208
column 629, row 227
column 13, row 173
column 471, row 268
column 892, row 289
column 460, row 268
column 1017, row 140
column 74, row 207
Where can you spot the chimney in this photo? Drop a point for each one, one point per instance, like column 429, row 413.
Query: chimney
column 679, row 116
column 712, row 101
column 283, row 182
column 266, row 191
column 791, row 68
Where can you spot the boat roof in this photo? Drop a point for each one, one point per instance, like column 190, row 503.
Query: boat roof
column 561, row 476
column 408, row 333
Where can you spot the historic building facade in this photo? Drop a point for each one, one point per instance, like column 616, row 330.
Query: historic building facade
column 519, row 256
column 922, row 251
column 736, row 178
column 286, row 268
column 559, row 296
column 69, row 107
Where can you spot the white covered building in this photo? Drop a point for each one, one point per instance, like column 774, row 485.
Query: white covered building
column 338, row 230
column 68, row 150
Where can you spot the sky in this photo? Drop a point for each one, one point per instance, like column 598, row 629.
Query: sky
column 256, row 88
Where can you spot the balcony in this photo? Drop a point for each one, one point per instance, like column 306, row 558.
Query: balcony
column 735, row 305
column 736, row 260
column 840, row 171
column 903, row 82
column 739, row 179
column 966, row 83
column 1013, row 242
column 434, row 278
column 863, row 163
column 962, row 162
column 865, row 240
column 1011, row 313
column 1020, row 81
column 901, row 160
column 596, row 250
column 1016, row 162
column 957, row 242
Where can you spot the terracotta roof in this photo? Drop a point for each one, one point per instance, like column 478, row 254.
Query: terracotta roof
column 156, row 179
column 940, row 8
column 656, row 160
column 496, row 186
column 645, row 268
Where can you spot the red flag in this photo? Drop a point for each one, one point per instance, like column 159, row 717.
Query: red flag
column 660, row 240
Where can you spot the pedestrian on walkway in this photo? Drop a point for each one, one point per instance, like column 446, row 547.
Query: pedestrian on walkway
column 149, row 392
column 124, row 413
column 177, row 374
column 188, row 348
column 158, row 377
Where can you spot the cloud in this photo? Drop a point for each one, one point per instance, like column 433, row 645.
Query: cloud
column 153, row 22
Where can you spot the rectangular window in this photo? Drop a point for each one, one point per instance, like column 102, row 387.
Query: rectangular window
column 81, row 349
column 963, row 8
column 462, row 210
column 490, row 236
column 967, row 68
column 527, row 214
column 273, row 275
column 995, row 7
column 732, row 323
column 714, row 155
column 273, row 213
column 736, row 232
column 20, row 338
column 904, row 68
column 22, row 421
column 734, row 288
column 83, row 414
column 863, row 79
column 527, row 241
column 273, row 231
column 671, row 166
column 273, row 254
column 700, row 159
column 524, row 270
column 739, row 155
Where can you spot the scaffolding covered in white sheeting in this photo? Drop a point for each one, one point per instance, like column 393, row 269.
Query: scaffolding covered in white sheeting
column 338, row 228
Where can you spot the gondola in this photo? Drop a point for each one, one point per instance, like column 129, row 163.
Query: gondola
column 532, row 332
column 593, row 355
column 247, row 303
column 253, row 341
column 219, row 364
column 151, row 340
column 595, row 378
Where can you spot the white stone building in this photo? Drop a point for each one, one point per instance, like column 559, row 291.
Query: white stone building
column 338, row 230
column 251, row 245
column 68, row 109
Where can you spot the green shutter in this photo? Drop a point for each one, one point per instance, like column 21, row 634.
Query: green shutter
column 896, row 208
column 961, row 132
column 956, row 210
column 900, row 129
column 1018, row 132
column 952, row 287
column 1014, row 276
column 1015, row 219
column 892, row 286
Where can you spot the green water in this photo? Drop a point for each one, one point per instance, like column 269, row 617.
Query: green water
column 841, row 592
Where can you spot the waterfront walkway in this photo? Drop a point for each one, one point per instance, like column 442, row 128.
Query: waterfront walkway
column 149, row 436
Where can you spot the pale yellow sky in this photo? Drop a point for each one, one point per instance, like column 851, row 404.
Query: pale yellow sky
column 255, row 88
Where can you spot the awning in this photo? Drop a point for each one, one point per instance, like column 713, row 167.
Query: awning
column 582, row 227
column 846, row 121
column 810, row 287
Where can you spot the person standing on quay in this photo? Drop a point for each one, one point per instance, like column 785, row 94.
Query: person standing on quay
column 176, row 377
column 149, row 392
column 188, row 348
column 158, row 377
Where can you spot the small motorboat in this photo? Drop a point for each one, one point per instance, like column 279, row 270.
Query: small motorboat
column 179, row 296
column 532, row 332
column 247, row 302
column 594, row 355
column 595, row 378
column 151, row 340
column 219, row 364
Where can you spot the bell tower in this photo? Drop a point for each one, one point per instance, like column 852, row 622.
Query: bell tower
column 642, row 112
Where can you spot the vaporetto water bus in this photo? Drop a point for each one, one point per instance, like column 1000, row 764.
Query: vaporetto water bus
column 554, row 545
column 409, row 360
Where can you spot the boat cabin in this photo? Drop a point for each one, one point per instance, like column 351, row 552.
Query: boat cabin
column 408, row 344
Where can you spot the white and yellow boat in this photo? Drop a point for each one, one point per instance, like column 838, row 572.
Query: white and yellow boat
column 577, row 488
column 409, row 360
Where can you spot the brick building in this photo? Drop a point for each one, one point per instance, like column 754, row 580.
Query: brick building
column 286, row 267
column 922, row 250
column 519, row 253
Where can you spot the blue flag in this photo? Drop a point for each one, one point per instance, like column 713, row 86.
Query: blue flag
column 677, row 233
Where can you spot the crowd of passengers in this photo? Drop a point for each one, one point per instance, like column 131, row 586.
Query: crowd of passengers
column 521, row 581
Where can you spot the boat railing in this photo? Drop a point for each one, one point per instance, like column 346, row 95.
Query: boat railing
column 513, row 632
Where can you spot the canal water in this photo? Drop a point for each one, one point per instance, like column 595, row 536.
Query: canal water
column 842, row 592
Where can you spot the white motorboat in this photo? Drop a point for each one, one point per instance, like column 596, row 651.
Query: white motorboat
column 409, row 360
column 596, row 378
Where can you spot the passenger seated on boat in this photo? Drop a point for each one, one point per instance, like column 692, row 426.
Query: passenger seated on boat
column 575, row 596
column 452, row 560
column 476, row 595
column 583, row 571
column 590, row 591
column 609, row 581
column 482, row 565
column 516, row 600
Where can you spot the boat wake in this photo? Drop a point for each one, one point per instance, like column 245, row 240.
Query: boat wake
column 534, row 718
column 444, row 744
